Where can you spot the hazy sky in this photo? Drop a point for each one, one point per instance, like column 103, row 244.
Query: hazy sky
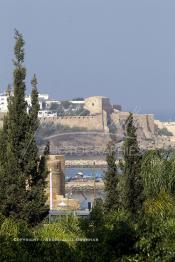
column 123, row 49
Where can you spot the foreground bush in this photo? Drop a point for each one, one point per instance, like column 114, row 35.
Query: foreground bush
column 19, row 243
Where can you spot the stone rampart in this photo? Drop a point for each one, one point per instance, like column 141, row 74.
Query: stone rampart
column 144, row 123
column 92, row 122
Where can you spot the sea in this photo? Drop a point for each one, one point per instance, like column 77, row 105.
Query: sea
column 85, row 198
column 87, row 172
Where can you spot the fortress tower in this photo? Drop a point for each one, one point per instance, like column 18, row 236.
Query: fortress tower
column 98, row 104
column 56, row 179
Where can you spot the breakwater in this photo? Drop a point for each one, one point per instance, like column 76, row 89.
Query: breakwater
column 85, row 163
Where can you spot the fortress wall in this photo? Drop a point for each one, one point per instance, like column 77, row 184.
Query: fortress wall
column 106, row 105
column 115, row 117
column 93, row 122
column 150, row 120
column 144, row 123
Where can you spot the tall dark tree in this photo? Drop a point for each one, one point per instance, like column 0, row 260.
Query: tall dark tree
column 111, row 179
column 35, row 107
column 35, row 209
column 133, row 190
column 14, row 130
column 21, row 178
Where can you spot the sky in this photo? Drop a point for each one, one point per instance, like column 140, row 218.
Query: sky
column 121, row 49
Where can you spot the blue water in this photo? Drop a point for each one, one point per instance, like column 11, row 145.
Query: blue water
column 90, row 172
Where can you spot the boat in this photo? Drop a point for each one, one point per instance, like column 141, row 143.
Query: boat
column 80, row 174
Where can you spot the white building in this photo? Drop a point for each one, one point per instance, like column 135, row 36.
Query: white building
column 77, row 102
column 43, row 96
column 49, row 103
column 41, row 100
column 3, row 102
column 45, row 104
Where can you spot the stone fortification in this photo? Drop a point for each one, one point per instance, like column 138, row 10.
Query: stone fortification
column 101, row 105
column 102, row 115
column 144, row 123
column 100, row 110
column 96, row 104
column 93, row 122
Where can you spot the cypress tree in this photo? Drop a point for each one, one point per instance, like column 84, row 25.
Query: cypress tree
column 14, row 130
column 35, row 209
column 111, row 179
column 33, row 111
column 133, row 191
column 22, row 180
